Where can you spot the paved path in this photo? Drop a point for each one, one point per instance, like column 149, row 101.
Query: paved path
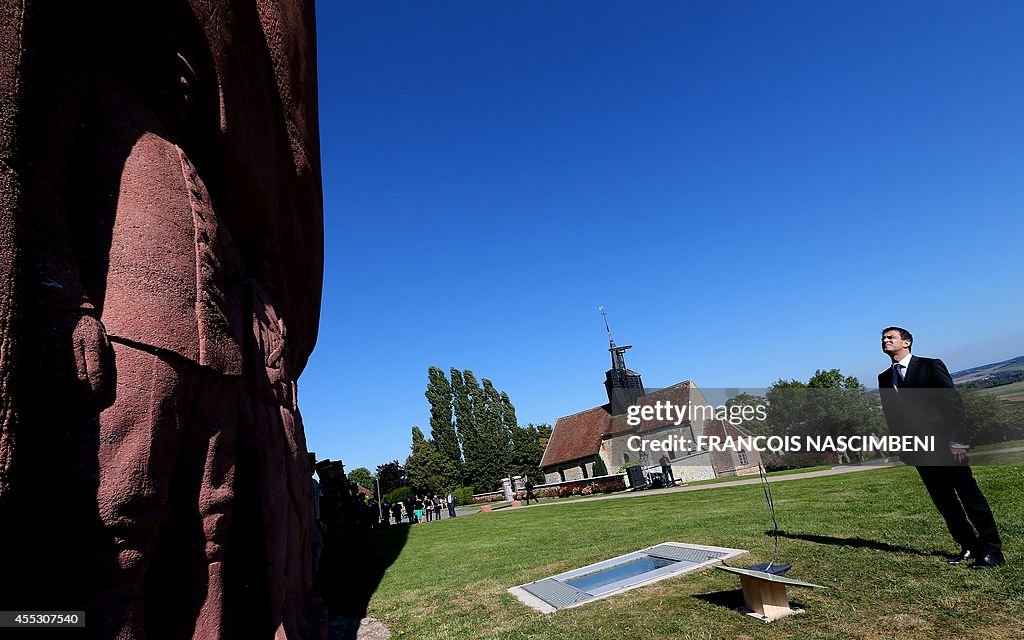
column 715, row 485
column 854, row 468
column 975, row 454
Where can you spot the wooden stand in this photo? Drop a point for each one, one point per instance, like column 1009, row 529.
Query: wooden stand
column 765, row 593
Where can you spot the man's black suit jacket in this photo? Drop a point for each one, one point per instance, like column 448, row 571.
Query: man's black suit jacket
column 926, row 404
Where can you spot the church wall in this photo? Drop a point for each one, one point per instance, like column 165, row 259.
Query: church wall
column 684, row 467
column 572, row 470
column 734, row 463
column 693, row 468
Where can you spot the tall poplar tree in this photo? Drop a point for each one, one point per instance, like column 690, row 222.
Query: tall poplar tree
column 492, row 426
column 526, row 452
column 508, row 413
column 485, row 428
column 509, row 425
column 462, row 404
column 442, row 427
column 475, row 442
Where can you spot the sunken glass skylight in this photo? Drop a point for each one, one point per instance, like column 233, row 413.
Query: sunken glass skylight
column 619, row 574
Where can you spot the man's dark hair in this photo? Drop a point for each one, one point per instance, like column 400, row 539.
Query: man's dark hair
column 906, row 335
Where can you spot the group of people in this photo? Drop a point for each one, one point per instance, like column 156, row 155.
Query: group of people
column 418, row 508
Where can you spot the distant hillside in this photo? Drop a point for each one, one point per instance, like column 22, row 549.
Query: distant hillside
column 991, row 375
column 987, row 376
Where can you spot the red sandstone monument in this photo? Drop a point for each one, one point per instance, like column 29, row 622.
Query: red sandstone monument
column 161, row 258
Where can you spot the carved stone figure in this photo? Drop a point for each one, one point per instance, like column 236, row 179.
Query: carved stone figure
column 140, row 145
column 272, row 435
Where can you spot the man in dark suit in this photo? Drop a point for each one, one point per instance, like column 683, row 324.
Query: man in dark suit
column 919, row 399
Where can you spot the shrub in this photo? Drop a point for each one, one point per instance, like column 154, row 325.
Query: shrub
column 583, row 488
column 398, row 495
column 611, row 486
column 635, row 463
column 463, row 495
column 600, row 468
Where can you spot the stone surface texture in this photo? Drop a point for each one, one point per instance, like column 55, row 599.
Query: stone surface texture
column 161, row 260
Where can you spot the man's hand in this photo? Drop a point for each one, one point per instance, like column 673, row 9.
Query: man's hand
column 959, row 453
column 93, row 361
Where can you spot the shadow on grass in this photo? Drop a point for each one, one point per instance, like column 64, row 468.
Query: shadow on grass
column 857, row 543
column 351, row 570
column 732, row 599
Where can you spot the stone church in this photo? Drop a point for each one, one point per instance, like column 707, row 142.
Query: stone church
column 578, row 439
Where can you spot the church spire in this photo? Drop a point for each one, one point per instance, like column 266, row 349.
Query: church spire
column 618, row 359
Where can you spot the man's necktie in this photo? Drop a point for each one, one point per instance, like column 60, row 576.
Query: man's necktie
column 897, row 375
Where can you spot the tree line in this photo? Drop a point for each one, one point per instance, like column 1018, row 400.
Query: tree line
column 833, row 404
column 475, row 438
column 475, row 441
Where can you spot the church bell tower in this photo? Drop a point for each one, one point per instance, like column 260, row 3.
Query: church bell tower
column 623, row 385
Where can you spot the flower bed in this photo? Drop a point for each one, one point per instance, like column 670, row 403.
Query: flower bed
column 494, row 496
column 590, row 486
column 799, row 460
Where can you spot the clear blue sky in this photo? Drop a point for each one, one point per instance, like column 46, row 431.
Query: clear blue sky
column 752, row 189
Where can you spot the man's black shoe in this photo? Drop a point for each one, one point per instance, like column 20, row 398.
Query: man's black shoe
column 963, row 556
column 990, row 561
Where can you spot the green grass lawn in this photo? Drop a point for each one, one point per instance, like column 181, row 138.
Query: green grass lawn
column 873, row 538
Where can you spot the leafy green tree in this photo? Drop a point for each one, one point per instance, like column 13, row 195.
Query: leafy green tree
column 829, row 404
column 508, row 414
column 754, row 424
column 485, row 429
column 600, row 468
column 990, row 420
column 787, row 414
column 840, row 405
column 362, row 476
column 543, row 435
column 476, row 444
column 391, row 476
column 429, row 469
column 524, row 457
column 494, row 429
column 442, row 426
column 398, row 495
